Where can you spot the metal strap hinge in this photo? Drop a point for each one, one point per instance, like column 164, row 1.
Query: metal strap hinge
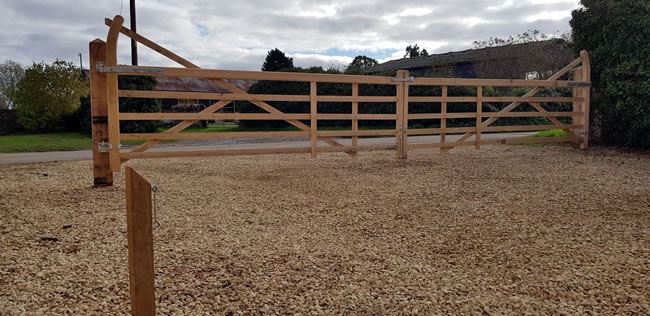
column 101, row 67
column 397, row 79
column 104, row 147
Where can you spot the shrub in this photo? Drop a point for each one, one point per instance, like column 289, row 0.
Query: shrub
column 47, row 94
column 617, row 36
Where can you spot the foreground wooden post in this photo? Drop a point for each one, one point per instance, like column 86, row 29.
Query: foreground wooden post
column 102, row 173
column 443, row 118
column 140, row 237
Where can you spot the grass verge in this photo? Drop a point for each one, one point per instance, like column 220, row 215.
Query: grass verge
column 44, row 142
column 551, row 133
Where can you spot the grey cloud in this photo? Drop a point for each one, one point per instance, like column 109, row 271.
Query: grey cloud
column 236, row 34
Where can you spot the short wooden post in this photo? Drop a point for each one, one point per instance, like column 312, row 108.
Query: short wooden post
column 479, row 115
column 443, row 118
column 140, row 239
column 586, row 94
column 355, row 120
column 102, row 173
column 313, row 88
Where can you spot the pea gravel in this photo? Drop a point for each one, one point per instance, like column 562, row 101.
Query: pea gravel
column 503, row 230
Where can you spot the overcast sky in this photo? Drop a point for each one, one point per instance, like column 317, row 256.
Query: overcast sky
column 237, row 34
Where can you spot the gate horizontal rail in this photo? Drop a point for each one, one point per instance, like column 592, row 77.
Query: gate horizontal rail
column 105, row 99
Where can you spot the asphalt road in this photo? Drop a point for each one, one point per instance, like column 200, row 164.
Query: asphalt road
column 37, row 157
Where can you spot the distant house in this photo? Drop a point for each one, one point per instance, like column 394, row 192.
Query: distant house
column 528, row 60
column 187, row 84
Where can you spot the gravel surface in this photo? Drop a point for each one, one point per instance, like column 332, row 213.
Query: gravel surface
column 503, row 230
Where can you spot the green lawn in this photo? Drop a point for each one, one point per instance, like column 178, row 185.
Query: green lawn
column 552, row 133
column 77, row 141
column 44, row 142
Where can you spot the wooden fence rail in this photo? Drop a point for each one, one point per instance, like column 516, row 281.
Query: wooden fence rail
column 106, row 94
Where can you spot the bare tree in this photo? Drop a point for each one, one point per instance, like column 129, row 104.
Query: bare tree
column 11, row 73
column 532, row 55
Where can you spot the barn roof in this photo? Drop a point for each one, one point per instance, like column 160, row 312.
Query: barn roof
column 470, row 55
column 187, row 84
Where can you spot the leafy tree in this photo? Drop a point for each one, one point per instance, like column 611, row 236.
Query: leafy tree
column 413, row 51
column 359, row 64
column 277, row 60
column 617, row 36
column 47, row 94
column 10, row 74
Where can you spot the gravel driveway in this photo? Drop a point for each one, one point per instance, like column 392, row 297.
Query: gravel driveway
column 503, row 230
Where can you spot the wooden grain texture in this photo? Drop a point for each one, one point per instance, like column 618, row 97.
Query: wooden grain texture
column 102, row 173
column 140, row 244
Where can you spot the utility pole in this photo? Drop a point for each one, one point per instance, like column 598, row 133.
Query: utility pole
column 81, row 64
column 134, row 47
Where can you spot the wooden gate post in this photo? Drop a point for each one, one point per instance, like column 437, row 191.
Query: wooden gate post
column 586, row 94
column 402, row 113
column 102, row 173
column 578, row 106
column 140, row 237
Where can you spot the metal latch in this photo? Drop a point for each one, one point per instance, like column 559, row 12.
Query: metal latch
column 408, row 79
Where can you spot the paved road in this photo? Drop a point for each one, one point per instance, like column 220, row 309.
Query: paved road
column 25, row 158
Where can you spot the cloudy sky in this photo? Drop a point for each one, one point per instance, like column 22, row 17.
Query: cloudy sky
column 237, row 34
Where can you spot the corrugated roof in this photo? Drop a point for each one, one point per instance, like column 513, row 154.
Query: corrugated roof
column 469, row 55
column 187, row 84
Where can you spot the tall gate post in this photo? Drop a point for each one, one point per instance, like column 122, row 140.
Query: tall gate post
column 586, row 94
column 102, row 173
column 140, row 239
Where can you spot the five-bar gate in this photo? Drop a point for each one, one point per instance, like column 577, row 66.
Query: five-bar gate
column 107, row 138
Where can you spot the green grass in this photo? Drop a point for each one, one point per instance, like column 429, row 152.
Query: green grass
column 44, row 142
column 551, row 133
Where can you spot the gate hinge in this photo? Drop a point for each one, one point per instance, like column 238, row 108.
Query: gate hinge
column 104, row 147
column 101, row 67
column 398, row 79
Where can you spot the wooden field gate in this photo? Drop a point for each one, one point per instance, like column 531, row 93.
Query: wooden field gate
column 105, row 95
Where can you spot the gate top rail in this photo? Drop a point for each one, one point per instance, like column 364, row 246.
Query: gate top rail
column 126, row 70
